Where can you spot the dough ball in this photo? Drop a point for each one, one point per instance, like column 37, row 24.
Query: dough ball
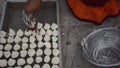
column 55, row 33
column 24, row 46
column 32, row 39
column 55, row 66
column 47, row 44
column 47, row 59
column 11, row 32
column 40, row 44
column 47, row 38
column 7, row 54
column 1, row 54
column 38, row 59
column 35, row 33
column 20, row 33
column 10, row 40
column 23, row 53
column 47, row 52
column 3, row 63
column 2, row 33
column 33, row 45
column 49, row 32
column 20, row 61
column 1, row 46
column 39, row 37
column 46, row 66
column 54, row 39
column 55, row 60
column 54, row 26
column 55, row 45
column 15, row 54
column 39, row 52
column 47, row 26
column 39, row 25
column 56, row 52
column 17, row 39
column 36, row 66
column 18, row 67
column 8, row 47
column 16, row 47
column 30, row 60
column 27, row 66
column 24, row 39
column 31, row 52
column 42, row 32
column 28, row 33
column 2, row 40
column 11, row 62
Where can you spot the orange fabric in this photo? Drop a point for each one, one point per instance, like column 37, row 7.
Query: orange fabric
column 95, row 14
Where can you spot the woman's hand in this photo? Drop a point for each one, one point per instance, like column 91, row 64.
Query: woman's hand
column 32, row 6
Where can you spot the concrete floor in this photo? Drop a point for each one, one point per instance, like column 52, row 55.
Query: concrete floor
column 73, row 31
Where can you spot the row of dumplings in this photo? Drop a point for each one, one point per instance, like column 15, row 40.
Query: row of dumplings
column 29, row 61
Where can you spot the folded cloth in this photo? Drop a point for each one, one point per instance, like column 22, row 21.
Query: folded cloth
column 95, row 11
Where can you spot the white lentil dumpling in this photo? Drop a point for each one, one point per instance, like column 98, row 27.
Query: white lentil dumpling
column 48, row 32
column 46, row 58
column 54, row 26
column 1, row 46
column 39, row 25
column 10, row 40
column 15, row 54
column 17, row 39
column 24, row 46
column 32, row 39
column 7, row 54
column 8, row 47
column 24, row 39
column 47, row 38
column 55, row 45
column 23, row 53
column 42, row 32
column 47, row 52
column 20, row 61
column 54, row 39
column 33, row 45
column 55, row 33
column 16, row 47
column 2, row 40
column 40, row 44
column 18, row 67
column 28, row 33
column 39, row 37
column 3, row 63
column 39, row 52
column 1, row 54
column 31, row 52
column 30, row 60
column 55, row 60
column 20, row 33
column 11, row 62
column 47, row 44
column 47, row 26
column 2, row 33
column 38, row 59
column 36, row 66
column 11, row 32
column 35, row 33
column 27, row 66
column 46, row 66
column 56, row 52
column 55, row 66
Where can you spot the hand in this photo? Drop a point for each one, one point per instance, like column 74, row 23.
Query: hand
column 32, row 6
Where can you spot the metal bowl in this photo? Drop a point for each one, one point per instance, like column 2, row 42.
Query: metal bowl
column 102, row 47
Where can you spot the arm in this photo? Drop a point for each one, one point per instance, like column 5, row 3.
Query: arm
column 32, row 6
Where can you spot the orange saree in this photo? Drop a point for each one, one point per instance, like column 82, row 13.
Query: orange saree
column 95, row 12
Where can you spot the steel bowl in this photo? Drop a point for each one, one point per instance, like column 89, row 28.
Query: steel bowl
column 102, row 47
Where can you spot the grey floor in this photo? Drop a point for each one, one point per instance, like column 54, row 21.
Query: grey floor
column 73, row 31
